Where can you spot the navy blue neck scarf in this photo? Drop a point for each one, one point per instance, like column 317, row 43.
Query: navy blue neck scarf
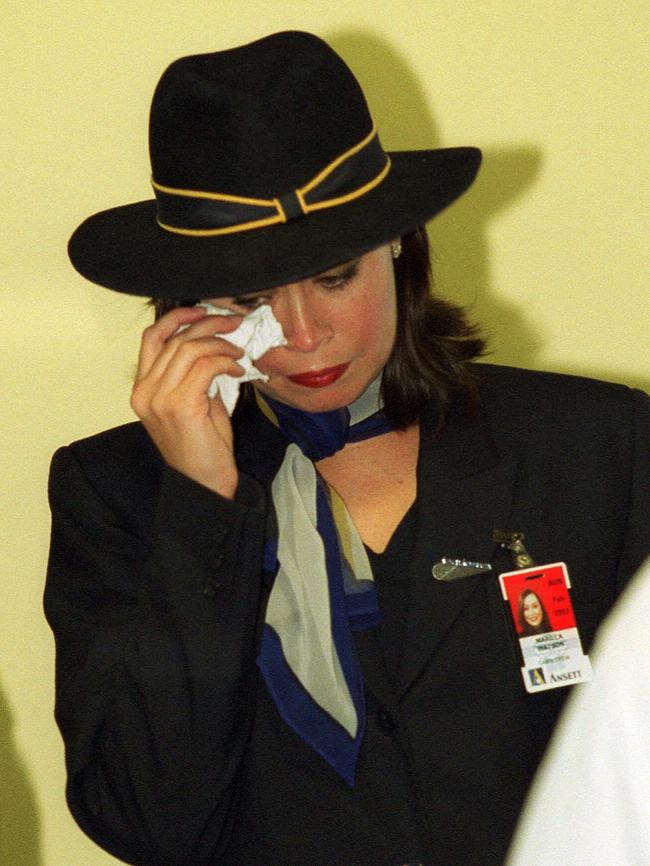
column 321, row 434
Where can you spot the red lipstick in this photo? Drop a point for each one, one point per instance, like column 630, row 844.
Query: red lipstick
column 319, row 378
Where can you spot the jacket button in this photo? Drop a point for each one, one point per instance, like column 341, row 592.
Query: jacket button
column 386, row 722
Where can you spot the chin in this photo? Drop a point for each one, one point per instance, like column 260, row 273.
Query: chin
column 313, row 403
column 317, row 400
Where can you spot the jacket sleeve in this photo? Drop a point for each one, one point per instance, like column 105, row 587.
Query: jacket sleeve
column 156, row 672
column 636, row 546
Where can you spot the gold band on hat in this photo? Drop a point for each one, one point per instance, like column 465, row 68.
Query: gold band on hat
column 336, row 184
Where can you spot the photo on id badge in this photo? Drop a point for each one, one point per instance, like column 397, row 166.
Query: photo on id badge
column 542, row 614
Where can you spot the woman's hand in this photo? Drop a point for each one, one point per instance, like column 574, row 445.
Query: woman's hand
column 192, row 432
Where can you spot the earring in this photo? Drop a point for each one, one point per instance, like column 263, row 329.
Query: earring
column 396, row 249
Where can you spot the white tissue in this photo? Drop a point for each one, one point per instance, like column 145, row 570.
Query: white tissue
column 258, row 332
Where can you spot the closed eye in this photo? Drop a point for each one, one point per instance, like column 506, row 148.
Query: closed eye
column 339, row 280
column 330, row 281
column 251, row 303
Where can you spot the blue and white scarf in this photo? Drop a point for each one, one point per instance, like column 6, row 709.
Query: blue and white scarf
column 324, row 587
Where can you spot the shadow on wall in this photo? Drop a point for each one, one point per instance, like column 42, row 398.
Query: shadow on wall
column 458, row 235
column 19, row 821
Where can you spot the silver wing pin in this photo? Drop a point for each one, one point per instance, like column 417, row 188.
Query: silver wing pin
column 448, row 569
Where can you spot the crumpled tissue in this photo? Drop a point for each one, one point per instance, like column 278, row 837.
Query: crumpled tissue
column 258, row 332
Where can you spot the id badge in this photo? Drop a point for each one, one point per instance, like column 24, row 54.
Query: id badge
column 545, row 624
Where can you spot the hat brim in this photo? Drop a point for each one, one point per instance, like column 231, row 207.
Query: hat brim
column 125, row 249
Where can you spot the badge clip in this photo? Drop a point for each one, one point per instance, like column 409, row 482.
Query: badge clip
column 513, row 542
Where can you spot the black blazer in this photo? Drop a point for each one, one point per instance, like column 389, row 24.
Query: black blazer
column 175, row 753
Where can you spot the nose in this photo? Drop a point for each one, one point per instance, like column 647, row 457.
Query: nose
column 302, row 317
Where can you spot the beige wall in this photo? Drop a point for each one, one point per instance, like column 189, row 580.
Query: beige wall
column 550, row 248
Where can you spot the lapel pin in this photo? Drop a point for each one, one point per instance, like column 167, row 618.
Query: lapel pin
column 513, row 542
column 448, row 570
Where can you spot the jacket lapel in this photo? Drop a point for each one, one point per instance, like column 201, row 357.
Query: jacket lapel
column 465, row 490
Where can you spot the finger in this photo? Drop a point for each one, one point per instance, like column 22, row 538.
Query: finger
column 208, row 326
column 181, row 402
column 177, row 361
column 179, row 355
column 179, row 328
column 192, row 390
column 155, row 337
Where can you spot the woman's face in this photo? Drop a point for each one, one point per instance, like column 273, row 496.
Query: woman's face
column 340, row 329
column 533, row 613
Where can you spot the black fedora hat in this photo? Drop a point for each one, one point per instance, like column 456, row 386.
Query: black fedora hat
column 267, row 169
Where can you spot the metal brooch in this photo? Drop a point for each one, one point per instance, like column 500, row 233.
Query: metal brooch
column 448, row 569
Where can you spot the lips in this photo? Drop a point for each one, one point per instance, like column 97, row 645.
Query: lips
column 319, row 378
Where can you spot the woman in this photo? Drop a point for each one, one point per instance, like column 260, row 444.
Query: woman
column 255, row 664
column 533, row 618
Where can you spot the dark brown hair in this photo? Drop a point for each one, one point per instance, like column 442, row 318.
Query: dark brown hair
column 434, row 346
column 435, row 341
